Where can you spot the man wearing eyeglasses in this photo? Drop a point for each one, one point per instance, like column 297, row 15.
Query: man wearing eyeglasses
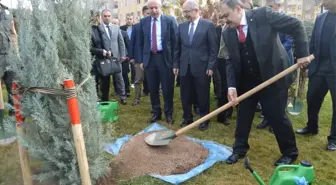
column 195, row 57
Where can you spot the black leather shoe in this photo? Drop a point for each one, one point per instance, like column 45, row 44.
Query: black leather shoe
column 204, row 126
column 263, row 124
column 285, row 160
column 170, row 120
column 234, row 158
column 154, row 118
column 123, row 102
column 331, row 147
column 306, row 131
column 185, row 123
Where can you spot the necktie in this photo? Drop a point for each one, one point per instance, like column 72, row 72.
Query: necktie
column 154, row 42
column 241, row 35
column 110, row 32
column 191, row 32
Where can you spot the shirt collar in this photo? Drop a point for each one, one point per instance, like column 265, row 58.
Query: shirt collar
column 196, row 21
column 243, row 21
column 158, row 19
column 105, row 25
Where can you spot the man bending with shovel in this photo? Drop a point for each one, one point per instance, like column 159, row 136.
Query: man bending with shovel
column 256, row 55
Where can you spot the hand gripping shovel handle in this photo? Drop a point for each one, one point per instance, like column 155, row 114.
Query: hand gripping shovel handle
column 240, row 98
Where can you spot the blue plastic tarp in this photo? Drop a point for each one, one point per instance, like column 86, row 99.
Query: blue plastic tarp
column 217, row 152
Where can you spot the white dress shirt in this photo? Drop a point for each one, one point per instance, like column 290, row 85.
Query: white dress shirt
column 158, row 32
column 243, row 23
column 107, row 30
column 195, row 25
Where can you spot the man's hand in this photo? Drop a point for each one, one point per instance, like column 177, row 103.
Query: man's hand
column 175, row 71
column 123, row 59
column 104, row 52
column 141, row 66
column 209, row 72
column 303, row 62
column 132, row 60
column 232, row 96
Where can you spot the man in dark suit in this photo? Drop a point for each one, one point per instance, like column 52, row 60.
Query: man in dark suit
column 157, row 43
column 195, row 57
column 322, row 72
column 128, row 27
column 134, row 55
column 256, row 55
column 287, row 42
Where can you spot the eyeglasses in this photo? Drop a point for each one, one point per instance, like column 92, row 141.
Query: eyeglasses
column 187, row 11
column 107, row 15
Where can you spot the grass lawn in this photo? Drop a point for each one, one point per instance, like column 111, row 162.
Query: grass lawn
column 264, row 150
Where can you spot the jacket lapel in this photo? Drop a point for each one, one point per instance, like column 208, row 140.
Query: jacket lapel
column 319, row 32
column 252, row 30
column 198, row 28
column 234, row 43
column 163, row 27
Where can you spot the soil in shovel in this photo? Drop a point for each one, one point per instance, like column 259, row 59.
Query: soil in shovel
column 136, row 158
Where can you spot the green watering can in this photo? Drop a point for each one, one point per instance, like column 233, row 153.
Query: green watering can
column 301, row 174
column 108, row 111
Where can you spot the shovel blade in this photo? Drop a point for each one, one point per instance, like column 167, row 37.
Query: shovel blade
column 295, row 107
column 161, row 138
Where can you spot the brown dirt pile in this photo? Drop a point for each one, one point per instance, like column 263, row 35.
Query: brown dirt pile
column 136, row 158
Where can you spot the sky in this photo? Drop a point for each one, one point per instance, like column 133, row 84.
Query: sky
column 14, row 3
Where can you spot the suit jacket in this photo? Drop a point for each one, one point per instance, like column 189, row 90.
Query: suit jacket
column 168, row 36
column 201, row 52
column 126, row 40
column 123, row 27
column 134, row 52
column 315, row 44
column 263, row 27
column 116, row 44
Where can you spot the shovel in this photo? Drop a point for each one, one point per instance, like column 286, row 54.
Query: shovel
column 163, row 138
column 295, row 106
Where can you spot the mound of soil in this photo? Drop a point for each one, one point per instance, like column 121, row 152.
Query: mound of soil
column 136, row 158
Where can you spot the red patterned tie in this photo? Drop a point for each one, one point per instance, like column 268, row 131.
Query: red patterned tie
column 241, row 35
column 154, row 42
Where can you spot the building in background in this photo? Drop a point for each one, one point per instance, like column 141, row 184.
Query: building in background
column 302, row 9
column 125, row 7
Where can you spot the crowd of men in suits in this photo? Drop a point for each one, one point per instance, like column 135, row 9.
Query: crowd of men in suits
column 247, row 47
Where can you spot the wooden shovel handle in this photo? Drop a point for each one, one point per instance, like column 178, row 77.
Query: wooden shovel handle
column 241, row 98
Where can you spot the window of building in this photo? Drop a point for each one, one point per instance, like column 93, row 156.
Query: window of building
column 116, row 4
column 138, row 1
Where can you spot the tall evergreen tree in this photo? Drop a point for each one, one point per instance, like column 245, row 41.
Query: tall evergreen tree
column 54, row 43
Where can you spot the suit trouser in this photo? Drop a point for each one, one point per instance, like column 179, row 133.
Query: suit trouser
column 139, row 78
column 191, row 84
column 222, row 98
column 125, row 71
column 157, row 72
column 216, row 80
column 274, row 102
column 132, row 73
column 145, row 84
column 319, row 84
column 105, row 82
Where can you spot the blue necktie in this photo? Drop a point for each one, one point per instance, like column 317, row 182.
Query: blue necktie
column 191, row 32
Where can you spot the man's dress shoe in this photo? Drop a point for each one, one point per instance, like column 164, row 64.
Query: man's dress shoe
column 263, row 124
column 170, row 120
column 285, row 160
column 154, row 118
column 234, row 158
column 331, row 147
column 306, row 131
column 204, row 126
column 185, row 123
